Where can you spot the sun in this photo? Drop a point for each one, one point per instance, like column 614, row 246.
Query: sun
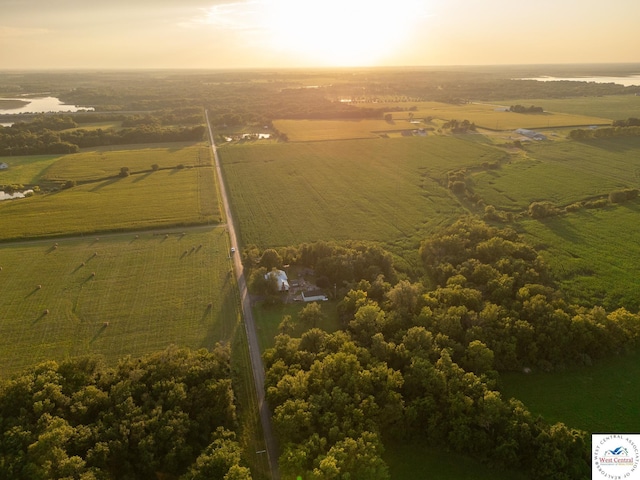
column 341, row 32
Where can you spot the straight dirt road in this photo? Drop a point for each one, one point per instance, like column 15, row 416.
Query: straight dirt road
column 250, row 327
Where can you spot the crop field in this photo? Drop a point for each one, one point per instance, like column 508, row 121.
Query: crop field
column 383, row 189
column 601, row 398
column 563, row 173
column 119, row 295
column 594, row 253
column 318, row 130
column 153, row 199
column 613, row 107
column 492, row 116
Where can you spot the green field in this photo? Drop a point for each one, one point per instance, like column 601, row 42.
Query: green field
column 601, row 398
column 149, row 200
column 563, row 173
column 382, row 189
column 152, row 289
column 614, row 107
column 594, row 253
column 413, row 462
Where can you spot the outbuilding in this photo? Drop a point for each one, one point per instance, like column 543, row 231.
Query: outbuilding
column 314, row 296
column 3, row 166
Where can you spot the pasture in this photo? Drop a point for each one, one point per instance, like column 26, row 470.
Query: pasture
column 561, row 172
column 594, row 254
column 600, row 398
column 126, row 294
column 382, row 190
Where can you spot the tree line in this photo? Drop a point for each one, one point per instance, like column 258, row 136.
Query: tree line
column 59, row 135
column 170, row 414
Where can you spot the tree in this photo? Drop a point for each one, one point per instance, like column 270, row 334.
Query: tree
column 155, row 167
column 270, row 259
column 311, row 315
column 124, row 172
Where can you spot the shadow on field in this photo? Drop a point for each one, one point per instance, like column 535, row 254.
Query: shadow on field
column 140, row 177
column 99, row 332
column 42, row 315
column 105, row 183
column 32, row 292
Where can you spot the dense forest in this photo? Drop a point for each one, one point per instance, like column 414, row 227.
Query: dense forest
column 420, row 362
column 171, row 414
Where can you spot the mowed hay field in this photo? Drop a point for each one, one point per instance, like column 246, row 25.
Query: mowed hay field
column 145, row 200
column 116, row 295
column 562, row 172
column 382, row 189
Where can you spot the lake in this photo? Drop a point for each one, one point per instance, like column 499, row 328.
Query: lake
column 631, row 80
column 41, row 105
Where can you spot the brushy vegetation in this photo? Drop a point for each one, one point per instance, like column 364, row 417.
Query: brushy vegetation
column 151, row 290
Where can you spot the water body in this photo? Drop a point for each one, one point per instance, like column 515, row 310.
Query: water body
column 41, row 105
column 629, row 81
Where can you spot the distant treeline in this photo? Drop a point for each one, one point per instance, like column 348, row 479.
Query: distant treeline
column 55, row 135
column 605, row 132
column 523, row 109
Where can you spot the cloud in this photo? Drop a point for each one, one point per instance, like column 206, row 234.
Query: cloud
column 237, row 16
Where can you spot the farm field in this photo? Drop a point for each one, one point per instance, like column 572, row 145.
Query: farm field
column 563, row 173
column 594, row 253
column 119, row 295
column 492, row 116
column 99, row 163
column 383, row 189
column 318, row 130
column 614, row 107
column 150, row 200
column 600, row 398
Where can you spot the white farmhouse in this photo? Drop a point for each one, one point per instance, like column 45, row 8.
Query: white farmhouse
column 3, row 166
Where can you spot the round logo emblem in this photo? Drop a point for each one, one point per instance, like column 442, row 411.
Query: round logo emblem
column 616, row 456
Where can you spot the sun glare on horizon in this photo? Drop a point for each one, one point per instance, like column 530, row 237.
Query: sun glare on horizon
column 339, row 32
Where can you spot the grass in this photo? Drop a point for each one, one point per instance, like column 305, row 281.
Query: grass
column 269, row 317
column 601, row 398
column 150, row 200
column 594, row 253
column 412, row 462
column 137, row 295
column 561, row 172
column 380, row 190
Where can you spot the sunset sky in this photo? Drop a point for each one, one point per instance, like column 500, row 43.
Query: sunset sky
column 36, row 34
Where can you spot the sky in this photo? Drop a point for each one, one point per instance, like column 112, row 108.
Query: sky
column 213, row 34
